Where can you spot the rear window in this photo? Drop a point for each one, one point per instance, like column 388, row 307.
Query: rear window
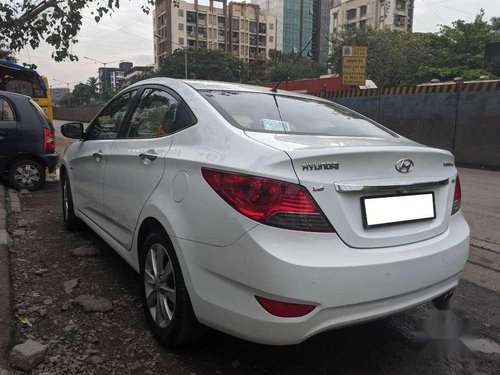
column 267, row 112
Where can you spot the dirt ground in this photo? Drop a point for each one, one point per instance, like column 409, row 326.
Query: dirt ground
column 118, row 341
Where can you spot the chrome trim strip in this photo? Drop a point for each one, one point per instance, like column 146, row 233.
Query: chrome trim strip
column 353, row 187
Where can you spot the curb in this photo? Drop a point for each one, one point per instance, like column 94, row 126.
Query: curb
column 5, row 282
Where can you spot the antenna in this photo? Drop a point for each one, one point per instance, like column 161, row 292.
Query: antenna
column 275, row 88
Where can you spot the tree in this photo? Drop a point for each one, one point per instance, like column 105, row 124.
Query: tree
column 81, row 95
column 458, row 50
column 204, row 64
column 92, row 83
column 393, row 56
column 279, row 64
column 57, row 22
column 5, row 54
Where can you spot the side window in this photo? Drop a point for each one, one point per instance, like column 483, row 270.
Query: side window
column 108, row 122
column 154, row 115
column 6, row 111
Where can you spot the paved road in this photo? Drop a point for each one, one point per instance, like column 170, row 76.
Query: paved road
column 118, row 341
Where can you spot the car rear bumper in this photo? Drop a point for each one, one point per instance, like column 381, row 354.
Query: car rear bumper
column 347, row 285
column 51, row 161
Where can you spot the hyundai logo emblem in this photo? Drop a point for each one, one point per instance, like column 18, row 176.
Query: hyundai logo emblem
column 404, row 165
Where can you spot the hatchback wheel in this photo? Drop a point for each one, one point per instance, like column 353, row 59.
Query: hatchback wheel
column 165, row 299
column 27, row 174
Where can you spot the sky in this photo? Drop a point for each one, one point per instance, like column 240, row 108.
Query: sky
column 127, row 35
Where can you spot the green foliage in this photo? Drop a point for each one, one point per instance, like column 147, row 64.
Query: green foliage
column 5, row 53
column 57, row 22
column 203, row 64
column 280, row 63
column 396, row 58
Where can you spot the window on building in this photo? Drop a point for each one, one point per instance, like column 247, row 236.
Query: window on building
column 221, row 22
column 202, row 32
column 180, row 13
column 253, row 40
column 401, row 5
column 399, row 21
column 181, row 41
column 271, row 26
column 181, row 26
column 253, row 27
column 363, row 10
column 236, row 37
column 271, row 39
column 236, row 23
column 202, row 17
column 362, row 24
column 351, row 13
column 262, row 28
column 190, row 32
column 191, row 17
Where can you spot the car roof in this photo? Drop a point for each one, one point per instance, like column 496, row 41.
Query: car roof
column 201, row 85
column 13, row 95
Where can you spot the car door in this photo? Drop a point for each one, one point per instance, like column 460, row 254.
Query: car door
column 87, row 168
column 136, row 162
column 8, row 132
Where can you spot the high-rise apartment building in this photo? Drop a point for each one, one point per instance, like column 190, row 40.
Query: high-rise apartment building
column 238, row 28
column 294, row 20
column 377, row 14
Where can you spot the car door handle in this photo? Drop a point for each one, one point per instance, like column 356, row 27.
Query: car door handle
column 150, row 155
column 98, row 156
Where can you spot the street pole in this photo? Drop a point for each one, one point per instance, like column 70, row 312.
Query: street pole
column 185, row 63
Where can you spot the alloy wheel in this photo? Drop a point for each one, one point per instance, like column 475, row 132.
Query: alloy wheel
column 27, row 175
column 159, row 285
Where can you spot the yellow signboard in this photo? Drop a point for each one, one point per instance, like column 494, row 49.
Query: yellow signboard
column 354, row 65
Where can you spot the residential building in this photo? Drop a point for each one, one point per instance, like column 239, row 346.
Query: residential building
column 112, row 78
column 57, row 93
column 377, row 14
column 238, row 28
column 135, row 72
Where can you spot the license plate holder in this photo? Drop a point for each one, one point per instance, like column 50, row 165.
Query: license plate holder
column 385, row 210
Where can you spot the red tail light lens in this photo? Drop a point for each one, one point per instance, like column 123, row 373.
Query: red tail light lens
column 284, row 309
column 277, row 203
column 457, row 197
column 49, row 141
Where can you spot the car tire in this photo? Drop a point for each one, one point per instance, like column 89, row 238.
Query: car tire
column 27, row 174
column 443, row 301
column 71, row 222
column 172, row 321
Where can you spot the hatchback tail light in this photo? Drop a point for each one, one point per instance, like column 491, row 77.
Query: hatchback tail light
column 272, row 202
column 284, row 309
column 49, row 141
column 457, row 197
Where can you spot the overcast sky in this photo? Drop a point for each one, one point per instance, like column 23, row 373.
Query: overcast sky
column 127, row 35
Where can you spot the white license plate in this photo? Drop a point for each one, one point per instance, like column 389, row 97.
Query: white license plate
column 397, row 209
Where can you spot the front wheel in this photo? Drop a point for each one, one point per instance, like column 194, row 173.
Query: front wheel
column 165, row 299
column 70, row 220
column 27, row 174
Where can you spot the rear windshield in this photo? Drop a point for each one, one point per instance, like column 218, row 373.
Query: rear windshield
column 266, row 112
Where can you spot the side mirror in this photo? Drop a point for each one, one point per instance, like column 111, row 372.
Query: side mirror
column 72, row 130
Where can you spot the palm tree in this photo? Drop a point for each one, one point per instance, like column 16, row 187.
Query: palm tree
column 92, row 82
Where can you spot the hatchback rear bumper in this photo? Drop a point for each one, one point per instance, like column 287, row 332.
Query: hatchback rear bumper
column 347, row 285
column 51, row 161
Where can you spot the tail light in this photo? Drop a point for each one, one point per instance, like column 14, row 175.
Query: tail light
column 284, row 309
column 49, row 141
column 457, row 197
column 272, row 202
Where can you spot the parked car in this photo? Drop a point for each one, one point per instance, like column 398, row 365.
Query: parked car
column 27, row 142
column 271, row 216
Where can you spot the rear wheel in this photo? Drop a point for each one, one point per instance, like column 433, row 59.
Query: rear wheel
column 70, row 220
column 27, row 174
column 165, row 299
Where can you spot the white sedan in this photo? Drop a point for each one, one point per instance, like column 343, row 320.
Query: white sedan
column 269, row 216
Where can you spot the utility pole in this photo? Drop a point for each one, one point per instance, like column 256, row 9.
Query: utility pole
column 67, row 85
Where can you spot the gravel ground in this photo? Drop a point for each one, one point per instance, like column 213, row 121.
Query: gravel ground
column 118, row 342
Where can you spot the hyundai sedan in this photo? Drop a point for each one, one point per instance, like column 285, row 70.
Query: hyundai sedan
column 271, row 216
